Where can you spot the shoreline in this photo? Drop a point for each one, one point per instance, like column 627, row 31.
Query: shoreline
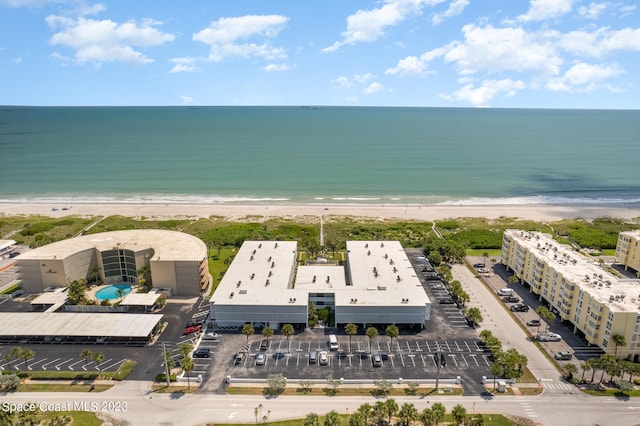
column 536, row 212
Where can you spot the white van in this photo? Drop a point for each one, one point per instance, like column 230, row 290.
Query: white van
column 333, row 342
column 505, row 292
column 548, row 337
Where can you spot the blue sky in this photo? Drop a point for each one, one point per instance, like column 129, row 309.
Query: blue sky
column 456, row 53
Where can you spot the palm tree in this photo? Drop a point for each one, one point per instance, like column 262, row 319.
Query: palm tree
column 86, row 355
column 546, row 315
column 248, row 330
column 332, row 418
column 331, row 246
column 458, row 413
column 145, row 273
column 120, row 293
column 426, row 417
column 188, row 366
column 312, row 419
column 267, row 332
column 618, row 340
column 97, row 358
column 22, row 354
column 485, row 256
column 371, row 333
column 184, row 349
column 438, row 411
column 585, row 366
column 408, row 413
column 367, row 411
column 288, row 331
column 475, row 316
column 351, row 330
column 390, row 409
column 595, row 364
column 513, row 279
column 392, row 332
column 95, row 271
column 570, row 369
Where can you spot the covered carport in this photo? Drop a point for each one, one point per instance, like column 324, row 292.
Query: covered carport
column 80, row 328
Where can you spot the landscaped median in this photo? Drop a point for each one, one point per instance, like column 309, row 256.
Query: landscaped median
column 68, row 381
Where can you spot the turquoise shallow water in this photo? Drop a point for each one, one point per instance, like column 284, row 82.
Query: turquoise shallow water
column 318, row 155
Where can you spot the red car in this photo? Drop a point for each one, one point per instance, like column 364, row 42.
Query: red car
column 191, row 329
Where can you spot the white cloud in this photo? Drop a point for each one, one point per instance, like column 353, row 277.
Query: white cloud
column 584, row 77
column 373, row 88
column 593, row 10
column 600, row 42
column 539, row 10
column 276, row 67
column 107, row 41
column 413, row 65
column 343, row 81
column 483, row 94
column 363, row 78
column 224, row 36
column 187, row 64
column 369, row 25
column 29, row 3
column 456, row 7
column 503, row 49
column 187, row 100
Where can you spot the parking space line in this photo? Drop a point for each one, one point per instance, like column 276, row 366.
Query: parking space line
column 448, row 348
column 408, row 346
column 486, row 360
column 428, row 347
column 38, row 362
column 465, row 360
column 478, row 348
column 44, row 366
column 458, row 347
column 433, row 359
column 200, row 314
column 467, row 345
column 103, row 363
column 84, row 367
column 393, row 364
column 473, row 356
column 412, row 358
column 78, row 362
column 62, row 363
column 455, row 361
column 398, row 345
column 418, row 347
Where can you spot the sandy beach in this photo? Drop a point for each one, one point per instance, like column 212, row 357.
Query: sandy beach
column 263, row 212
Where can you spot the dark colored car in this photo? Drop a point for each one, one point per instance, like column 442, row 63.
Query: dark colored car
column 510, row 299
column 191, row 329
column 194, row 322
column 264, row 345
column 519, row 307
column 202, row 353
column 446, row 301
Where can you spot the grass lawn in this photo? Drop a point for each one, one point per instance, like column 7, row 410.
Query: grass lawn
column 247, row 390
column 60, row 387
column 611, row 392
column 173, row 389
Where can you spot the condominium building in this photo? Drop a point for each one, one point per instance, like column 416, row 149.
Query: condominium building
column 628, row 250
column 265, row 285
column 597, row 303
column 175, row 260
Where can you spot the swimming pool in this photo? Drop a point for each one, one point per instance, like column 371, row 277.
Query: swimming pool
column 112, row 292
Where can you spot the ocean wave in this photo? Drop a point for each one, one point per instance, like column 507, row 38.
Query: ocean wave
column 404, row 200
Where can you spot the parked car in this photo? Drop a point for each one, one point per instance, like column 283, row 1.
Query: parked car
column 376, row 360
column 563, row 355
column 510, row 299
column 446, row 301
column 519, row 307
column 260, row 358
column 313, row 357
column 479, row 265
column 191, row 329
column 264, row 345
column 239, row 358
column 202, row 353
column 324, row 358
column 194, row 322
column 548, row 337
column 210, row 335
column 533, row 323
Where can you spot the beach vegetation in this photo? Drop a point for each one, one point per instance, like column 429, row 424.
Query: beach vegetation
column 35, row 231
column 600, row 233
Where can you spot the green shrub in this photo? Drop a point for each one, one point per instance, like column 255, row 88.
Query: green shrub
column 162, row 377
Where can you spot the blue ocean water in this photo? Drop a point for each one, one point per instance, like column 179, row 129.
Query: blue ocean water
column 319, row 155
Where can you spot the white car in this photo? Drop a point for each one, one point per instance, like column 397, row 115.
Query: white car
column 210, row 335
column 260, row 358
column 323, row 358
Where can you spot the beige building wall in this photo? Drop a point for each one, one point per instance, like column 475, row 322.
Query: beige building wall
column 628, row 250
column 568, row 283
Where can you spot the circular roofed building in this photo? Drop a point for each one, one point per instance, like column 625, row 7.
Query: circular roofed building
column 175, row 261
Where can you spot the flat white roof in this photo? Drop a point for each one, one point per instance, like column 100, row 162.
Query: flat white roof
column 167, row 245
column 5, row 244
column 381, row 274
column 140, row 299
column 582, row 271
column 261, row 274
column 77, row 324
column 58, row 295
column 395, row 285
